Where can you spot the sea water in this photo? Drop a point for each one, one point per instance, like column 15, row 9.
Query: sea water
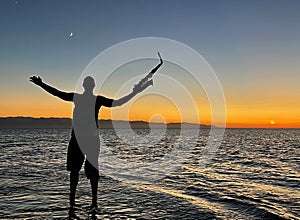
column 253, row 175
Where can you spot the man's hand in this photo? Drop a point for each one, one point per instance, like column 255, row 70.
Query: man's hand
column 139, row 89
column 36, row 80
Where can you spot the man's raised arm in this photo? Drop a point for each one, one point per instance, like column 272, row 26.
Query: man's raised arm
column 107, row 102
column 142, row 85
column 53, row 91
column 126, row 98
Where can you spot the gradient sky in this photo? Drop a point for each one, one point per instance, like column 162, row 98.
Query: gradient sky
column 253, row 46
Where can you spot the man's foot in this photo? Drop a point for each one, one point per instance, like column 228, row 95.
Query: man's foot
column 72, row 205
column 72, row 201
column 71, row 212
column 94, row 208
column 93, row 205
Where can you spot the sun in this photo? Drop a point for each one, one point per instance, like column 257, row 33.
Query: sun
column 272, row 122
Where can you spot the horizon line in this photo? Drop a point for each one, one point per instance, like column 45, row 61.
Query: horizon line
column 246, row 126
column 5, row 117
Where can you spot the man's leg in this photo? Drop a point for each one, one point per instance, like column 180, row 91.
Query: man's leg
column 91, row 166
column 94, row 186
column 75, row 159
column 93, row 175
column 74, row 176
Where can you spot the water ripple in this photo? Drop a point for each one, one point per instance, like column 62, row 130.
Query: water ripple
column 254, row 175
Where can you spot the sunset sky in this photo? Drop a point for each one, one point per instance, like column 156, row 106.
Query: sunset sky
column 252, row 46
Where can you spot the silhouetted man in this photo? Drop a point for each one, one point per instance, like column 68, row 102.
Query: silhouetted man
column 84, row 138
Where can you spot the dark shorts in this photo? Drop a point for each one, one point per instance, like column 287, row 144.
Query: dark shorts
column 75, row 160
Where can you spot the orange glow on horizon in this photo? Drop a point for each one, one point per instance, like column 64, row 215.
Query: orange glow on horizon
column 242, row 116
column 260, row 118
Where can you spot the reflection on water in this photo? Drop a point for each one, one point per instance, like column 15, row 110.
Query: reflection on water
column 254, row 175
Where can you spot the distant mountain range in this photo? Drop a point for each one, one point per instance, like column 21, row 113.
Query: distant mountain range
column 29, row 122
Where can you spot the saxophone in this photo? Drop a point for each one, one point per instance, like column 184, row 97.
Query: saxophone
column 147, row 80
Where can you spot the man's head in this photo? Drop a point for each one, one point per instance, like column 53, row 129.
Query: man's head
column 88, row 83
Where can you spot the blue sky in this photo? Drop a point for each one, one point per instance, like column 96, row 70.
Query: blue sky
column 35, row 33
